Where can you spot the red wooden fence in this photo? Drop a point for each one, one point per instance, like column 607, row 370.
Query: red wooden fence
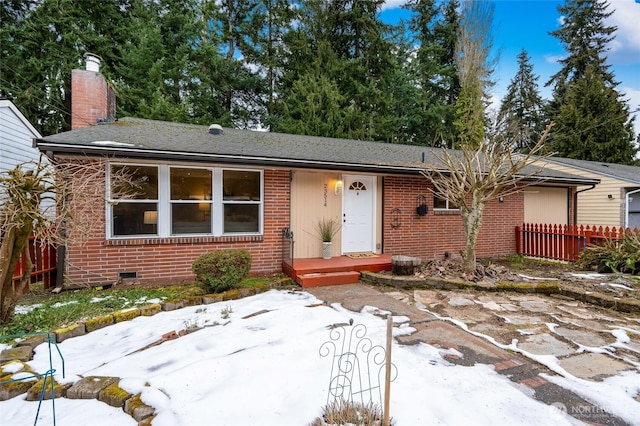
column 44, row 258
column 562, row 242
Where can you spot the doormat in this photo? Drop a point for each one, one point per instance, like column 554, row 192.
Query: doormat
column 361, row 255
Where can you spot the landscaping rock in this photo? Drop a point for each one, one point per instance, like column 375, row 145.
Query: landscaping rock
column 20, row 353
column 126, row 315
column 33, row 341
column 173, row 305
column 208, row 299
column 90, row 387
column 138, row 409
column 10, row 390
column 114, row 395
column 150, row 310
column 35, row 392
column 73, row 330
column 98, row 322
column 147, row 422
column 231, row 295
column 193, row 301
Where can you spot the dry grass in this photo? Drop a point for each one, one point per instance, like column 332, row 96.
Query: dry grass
column 343, row 412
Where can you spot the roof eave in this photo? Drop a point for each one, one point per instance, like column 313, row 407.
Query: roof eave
column 128, row 152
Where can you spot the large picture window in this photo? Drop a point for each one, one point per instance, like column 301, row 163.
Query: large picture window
column 168, row 200
column 134, row 200
column 191, row 200
column 241, row 199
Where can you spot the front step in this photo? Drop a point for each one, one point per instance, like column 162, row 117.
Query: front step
column 328, row 278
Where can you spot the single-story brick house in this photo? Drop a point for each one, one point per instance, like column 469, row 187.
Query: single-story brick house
column 208, row 188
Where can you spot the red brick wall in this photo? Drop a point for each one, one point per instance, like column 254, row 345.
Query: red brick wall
column 91, row 98
column 430, row 236
column 98, row 260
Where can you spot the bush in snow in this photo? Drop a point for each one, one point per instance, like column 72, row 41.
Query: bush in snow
column 221, row 270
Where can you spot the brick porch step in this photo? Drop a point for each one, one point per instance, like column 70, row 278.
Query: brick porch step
column 328, row 278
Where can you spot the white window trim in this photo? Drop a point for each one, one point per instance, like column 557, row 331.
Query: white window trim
column 447, row 208
column 164, row 203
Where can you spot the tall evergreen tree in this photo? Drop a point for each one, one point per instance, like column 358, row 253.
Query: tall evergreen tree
column 345, row 42
column 584, row 90
column 149, row 74
column 42, row 42
column 435, row 28
column 520, row 116
column 591, row 122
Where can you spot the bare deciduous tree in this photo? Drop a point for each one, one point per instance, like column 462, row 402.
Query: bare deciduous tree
column 470, row 178
column 37, row 199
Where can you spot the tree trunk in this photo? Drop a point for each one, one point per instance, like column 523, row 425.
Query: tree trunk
column 14, row 242
column 472, row 220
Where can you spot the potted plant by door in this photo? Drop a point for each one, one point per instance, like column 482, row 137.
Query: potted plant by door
column 327, row 229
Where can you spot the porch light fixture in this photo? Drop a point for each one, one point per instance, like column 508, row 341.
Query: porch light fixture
column 338, row 189
column 150, row 217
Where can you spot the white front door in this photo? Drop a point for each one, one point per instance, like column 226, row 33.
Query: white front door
column 358, row 211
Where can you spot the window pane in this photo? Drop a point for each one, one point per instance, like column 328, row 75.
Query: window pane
column 240, row 185
column 439, row 203
column 135, row 219
column 191, row 218
column 241, row 218
column 190, row 184
column 134, row 182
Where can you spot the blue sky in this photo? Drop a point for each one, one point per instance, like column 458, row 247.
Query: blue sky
column 526, row 24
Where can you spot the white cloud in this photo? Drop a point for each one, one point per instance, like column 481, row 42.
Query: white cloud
column 626, row 46
column 633, row 95
column 552, row 59
column 393, row 4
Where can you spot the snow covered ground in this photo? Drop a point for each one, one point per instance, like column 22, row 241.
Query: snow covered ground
column 266, row 369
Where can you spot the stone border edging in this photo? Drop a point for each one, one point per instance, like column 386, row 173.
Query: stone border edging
column 111, row 393
column 543, row 287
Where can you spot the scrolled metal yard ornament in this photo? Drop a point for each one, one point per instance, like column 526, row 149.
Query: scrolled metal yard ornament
column 357, row 367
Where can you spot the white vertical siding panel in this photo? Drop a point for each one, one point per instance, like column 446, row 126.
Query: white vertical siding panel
column 16, row 140
column 594, row 206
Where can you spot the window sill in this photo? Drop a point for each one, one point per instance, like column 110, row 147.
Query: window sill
column 142, row 241
column 446, row 212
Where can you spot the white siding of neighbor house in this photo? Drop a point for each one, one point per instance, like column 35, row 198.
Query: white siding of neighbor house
column 546, row 205
column 594, row 206
column 16, row 137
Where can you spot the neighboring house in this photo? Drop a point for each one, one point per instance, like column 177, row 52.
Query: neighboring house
column 208, row 188
column 16, row 137
column 16, row 144
column 613, row 202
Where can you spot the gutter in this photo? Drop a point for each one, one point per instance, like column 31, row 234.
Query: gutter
column 575, row 202
column 50, row 149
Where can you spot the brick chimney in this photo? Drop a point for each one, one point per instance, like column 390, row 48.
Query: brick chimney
column 92, row 99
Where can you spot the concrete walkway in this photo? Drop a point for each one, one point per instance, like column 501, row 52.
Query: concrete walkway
column 505, row 317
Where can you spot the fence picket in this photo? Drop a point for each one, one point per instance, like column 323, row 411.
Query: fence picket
column 44, row 259
column 563, row 242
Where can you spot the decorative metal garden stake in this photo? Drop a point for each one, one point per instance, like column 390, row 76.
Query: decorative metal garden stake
column 387, row 381
column 357, row 366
